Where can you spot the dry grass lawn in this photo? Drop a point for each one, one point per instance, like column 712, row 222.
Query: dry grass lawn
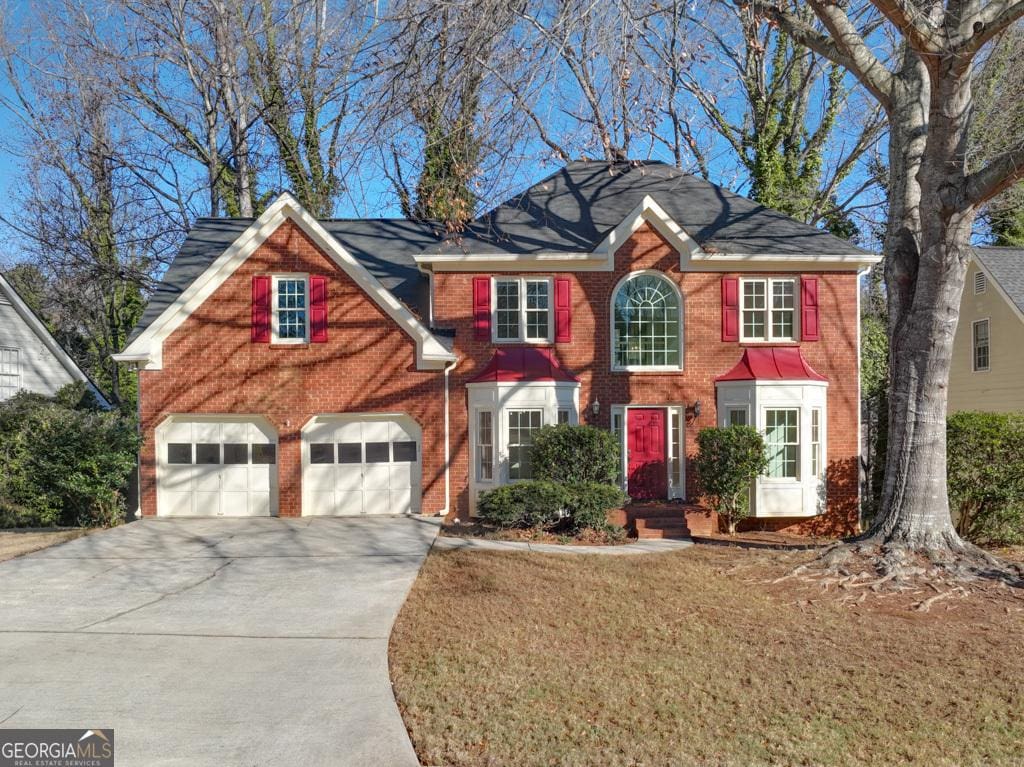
column 697, row 658
column 14, row 543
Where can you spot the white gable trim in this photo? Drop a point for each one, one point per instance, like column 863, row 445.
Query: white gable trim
column 147, row 349
column 649, row 212
column 43, row 334
column 999, row 288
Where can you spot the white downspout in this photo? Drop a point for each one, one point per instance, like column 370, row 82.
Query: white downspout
column 447, row 449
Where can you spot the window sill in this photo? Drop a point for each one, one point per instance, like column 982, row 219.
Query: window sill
column 289, row 344
column 515, row 342
column 789, row 342
column 659, row 370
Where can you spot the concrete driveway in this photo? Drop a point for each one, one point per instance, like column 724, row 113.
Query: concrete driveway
column 215, row 642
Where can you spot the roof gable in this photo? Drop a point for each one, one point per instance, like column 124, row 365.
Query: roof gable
column 1005, row 267
column 36, row 325
column 195, row 280
column 576, row 208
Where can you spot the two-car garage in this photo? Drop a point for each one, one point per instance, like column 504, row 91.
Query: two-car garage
column 229, row 466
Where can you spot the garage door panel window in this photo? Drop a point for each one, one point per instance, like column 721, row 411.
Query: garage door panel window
column 236, row 453
column 377, row 452
column 207, row 453
column 321, row 452
column 350, row 452
column 264, row 454
column 404, row 452
column 179, row 453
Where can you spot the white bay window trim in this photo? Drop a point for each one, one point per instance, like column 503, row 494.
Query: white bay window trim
column 524, row 314
column 762, row 310
column 286, row 282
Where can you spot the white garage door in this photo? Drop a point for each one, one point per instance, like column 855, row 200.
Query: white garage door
column 361, row 465
column 216, row 467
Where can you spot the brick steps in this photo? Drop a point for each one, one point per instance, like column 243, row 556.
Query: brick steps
column 654, row 520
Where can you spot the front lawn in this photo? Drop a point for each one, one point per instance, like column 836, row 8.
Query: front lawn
column 696, row 657
column 14, row 543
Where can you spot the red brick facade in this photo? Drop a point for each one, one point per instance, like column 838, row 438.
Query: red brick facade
column 705, row 357
column 368, row 365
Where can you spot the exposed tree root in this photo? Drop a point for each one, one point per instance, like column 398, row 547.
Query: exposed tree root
column 871, row 564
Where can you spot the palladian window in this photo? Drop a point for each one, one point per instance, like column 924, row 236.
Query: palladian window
column 646, row 332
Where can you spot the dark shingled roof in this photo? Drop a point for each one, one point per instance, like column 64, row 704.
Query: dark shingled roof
column 573, row 210
column 1006, row 265
column 384, row 246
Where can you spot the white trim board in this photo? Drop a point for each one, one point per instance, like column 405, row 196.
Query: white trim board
column 36, row 325
column 147, row 349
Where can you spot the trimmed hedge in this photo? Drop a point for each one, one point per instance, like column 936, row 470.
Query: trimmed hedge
column 985, row 475
column 63, row 461
column 728, row 459
column 575, row 454
column 550, row 506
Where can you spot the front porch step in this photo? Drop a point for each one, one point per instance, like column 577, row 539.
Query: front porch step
column 661, row 528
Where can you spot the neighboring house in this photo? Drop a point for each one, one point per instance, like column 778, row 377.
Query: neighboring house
column 30, row 357
column 299, row 367
column 987, row 369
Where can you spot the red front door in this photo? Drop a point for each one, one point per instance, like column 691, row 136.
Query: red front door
column 647, row 471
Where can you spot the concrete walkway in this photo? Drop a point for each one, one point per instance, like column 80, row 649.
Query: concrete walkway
column 639, row 547
column 229, row 643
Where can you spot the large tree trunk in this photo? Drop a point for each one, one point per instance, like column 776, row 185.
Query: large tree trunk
column 927, row 256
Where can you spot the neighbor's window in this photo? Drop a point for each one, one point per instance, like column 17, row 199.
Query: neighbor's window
column 783, row 442
column 522, row 309
column 647, row 314
column 10, row 372
column 769, row 310
column 522, row 425
column 816, row 442
column 981, row 345
column 485, row 445
column 290, row 320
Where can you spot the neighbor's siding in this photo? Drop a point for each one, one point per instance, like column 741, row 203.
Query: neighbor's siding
column 368, row 365
column 1000, row 389
column 706, row 356
column 41, row 371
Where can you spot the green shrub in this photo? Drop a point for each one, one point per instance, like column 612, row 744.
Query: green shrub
column 575, row 454
column 588, row 504
column 985, row 473
column 728, row 459
column 63, row 464
column 533, row 503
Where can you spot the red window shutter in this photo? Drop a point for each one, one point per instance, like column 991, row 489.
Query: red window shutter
column 563, row 310
column 730, row 309
column 809, row 308
column 261, row 310
column 482, row 308
column 317, row 309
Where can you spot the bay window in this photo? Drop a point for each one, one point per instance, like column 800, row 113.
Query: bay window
column 782, row 439
column 485, row 445
column 522, row 425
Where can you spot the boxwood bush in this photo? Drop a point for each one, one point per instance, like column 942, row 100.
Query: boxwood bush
column 985, row 473
column 728, row 459
column 63, row 461
column 573, row 489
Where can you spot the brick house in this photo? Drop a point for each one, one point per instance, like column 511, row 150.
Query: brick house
column 295, row 367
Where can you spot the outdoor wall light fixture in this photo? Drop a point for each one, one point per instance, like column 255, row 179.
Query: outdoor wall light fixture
column 596, row 407
column 696, row 409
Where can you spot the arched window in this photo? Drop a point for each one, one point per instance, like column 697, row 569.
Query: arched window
column 646, row 316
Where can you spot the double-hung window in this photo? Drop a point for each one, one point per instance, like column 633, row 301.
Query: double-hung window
column 980, row 345
column 10, row 372
column 816, row 442
column 290, row 309
column 485, row 445
column 522, row 426
column 768, row 310
column 522, row 309
column 782, row 440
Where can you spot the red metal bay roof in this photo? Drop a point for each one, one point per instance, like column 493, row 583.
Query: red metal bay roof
column 772, row 363
column 523, row 363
